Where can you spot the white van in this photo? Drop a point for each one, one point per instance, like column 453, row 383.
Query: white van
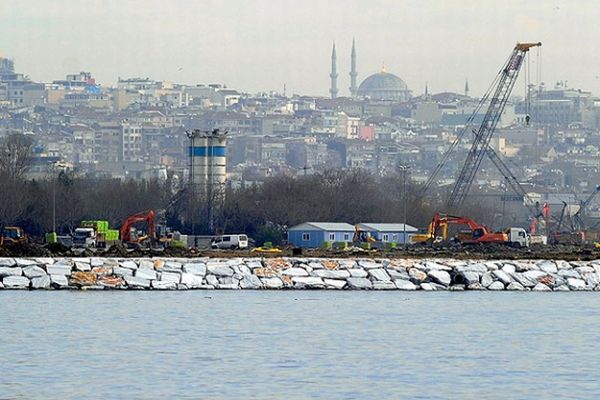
column 230, row 242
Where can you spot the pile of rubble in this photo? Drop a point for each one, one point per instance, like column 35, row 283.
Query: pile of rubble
column 297, row 273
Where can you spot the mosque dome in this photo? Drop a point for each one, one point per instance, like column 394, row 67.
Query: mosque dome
column 384, row 86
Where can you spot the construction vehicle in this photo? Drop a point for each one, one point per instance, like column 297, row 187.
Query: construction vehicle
column 12, row 235
column 131, row 236
column 431, row 236
column 94, row 234
column 85, row 238
column 231, row 242
column 477, row 233
column 575, row 234
column 362, row 238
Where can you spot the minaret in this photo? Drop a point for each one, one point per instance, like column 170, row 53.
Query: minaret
column 353, row 73
column 426, row 90
column 466, row 86
column 333, row 75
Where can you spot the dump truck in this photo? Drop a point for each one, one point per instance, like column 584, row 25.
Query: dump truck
column 94, row 234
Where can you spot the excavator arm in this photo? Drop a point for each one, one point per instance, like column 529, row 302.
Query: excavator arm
column 147, row 217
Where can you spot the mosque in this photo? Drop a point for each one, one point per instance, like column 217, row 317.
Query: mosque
column 379, row 86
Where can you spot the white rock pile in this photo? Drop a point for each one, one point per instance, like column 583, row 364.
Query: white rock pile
column 298, row 273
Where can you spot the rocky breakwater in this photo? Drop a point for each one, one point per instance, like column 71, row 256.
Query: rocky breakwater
column 298, row 273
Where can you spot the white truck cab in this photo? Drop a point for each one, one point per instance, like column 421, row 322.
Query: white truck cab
column 85, row 237
column 517, row 237
column 230, row 242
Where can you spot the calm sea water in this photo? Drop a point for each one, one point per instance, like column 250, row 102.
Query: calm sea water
column 296, row 345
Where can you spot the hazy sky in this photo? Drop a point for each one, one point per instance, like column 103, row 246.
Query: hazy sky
column 258, row 45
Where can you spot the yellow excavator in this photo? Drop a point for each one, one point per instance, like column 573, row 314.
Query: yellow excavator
column 12, row 235
column 361, row 236
column 430, row 236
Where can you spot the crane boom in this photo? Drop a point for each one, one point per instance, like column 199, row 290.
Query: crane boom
column 506, row 81
column 512, row 180
column 577, row 220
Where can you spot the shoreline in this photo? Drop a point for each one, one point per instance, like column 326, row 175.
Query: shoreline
column 297, row 273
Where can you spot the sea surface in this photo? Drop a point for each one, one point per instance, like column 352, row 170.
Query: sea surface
column 299, row 345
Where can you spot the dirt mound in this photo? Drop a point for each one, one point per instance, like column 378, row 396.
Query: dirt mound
column 479, row 251
column 25, row 250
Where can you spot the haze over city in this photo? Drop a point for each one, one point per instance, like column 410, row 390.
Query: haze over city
column 262, row 45
column 217, row 179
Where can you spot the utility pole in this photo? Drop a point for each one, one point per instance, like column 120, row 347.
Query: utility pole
column 53, row 169
column 404, row 168
column 53, row 203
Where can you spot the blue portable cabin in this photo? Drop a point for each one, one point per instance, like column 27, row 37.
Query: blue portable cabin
column 389, row 233
column 315, row 234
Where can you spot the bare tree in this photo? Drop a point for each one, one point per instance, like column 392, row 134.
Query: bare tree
column 15, row 155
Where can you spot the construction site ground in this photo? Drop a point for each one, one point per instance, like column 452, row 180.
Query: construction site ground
column 488, row 252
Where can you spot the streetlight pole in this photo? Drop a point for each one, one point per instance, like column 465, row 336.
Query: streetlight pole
column 53, row 169
column 53, row 203
column 404, row 168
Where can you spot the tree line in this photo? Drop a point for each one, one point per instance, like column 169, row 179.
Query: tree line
column 262, row 211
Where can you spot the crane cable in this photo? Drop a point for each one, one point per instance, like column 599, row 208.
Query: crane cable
column 459, row 137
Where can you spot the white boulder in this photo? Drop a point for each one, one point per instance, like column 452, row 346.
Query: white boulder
column 164, row 285
column 576, row 284
column 137, row 282
column 331, row 274
column 59, row 281
column 335, row 283
column 402, row 284
column 359, row 283
column 540, row 287
column 191, row 281
column 496, row 285
column 219, row 270
column 379, row 275
column 272, row 283
column 195, row 268
column 7, row 262
column 502, row 276
column 58, row 269
column 15, row 282
column 145, row 273
column 250, row 282
column 439, row 276
column 358, row 273
column 11, row 271
column 41, row 282
column 297, row 271
column 515, row 286
column 384, row 285
column 170, row 277
column 33, row 271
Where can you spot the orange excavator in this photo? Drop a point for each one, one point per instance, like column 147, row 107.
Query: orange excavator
column 129, row 236
column 477, row 233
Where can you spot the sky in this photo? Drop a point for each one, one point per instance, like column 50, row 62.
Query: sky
column 260, row 45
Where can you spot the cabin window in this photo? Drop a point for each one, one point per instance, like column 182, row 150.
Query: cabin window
column 386, row 237
column 306, row 237
column 332, row 237
column 346, row 237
